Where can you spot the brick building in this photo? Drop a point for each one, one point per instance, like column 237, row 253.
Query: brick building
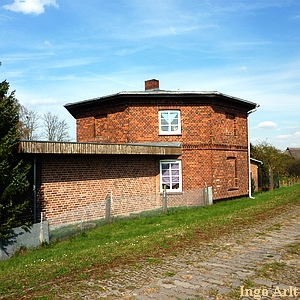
column 254, row 165
column 132, row 144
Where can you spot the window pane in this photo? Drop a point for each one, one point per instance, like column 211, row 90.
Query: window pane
column 165, row 128
column 175, row 166
column 175, row 179
column 165, row 172
column 164, row 122
column 167, row 186
column 175, row 186
column 165, row 116
column 173, row 115
column 175, row 172
column 166, row 179
column 174, row 122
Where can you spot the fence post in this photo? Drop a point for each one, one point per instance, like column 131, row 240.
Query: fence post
column 107, row 209
column 165, row 201
column 205, row 195
column 42, row 229
column 209, row 195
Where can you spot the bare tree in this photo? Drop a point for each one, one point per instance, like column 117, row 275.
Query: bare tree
column 55, row 129
column 28, row 124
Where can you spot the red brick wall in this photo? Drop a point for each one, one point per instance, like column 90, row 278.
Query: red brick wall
column 105, row 125
column 225, row 165
column 85, row 129
column 226, row 130
column 204, row 124
column 209, row 131
column 196, row 167
column 72, row 187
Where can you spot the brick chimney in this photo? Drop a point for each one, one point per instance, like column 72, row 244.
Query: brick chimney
column 152, row 84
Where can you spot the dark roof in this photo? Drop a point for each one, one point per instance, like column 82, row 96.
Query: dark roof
column 73, row 108
column 293, row 152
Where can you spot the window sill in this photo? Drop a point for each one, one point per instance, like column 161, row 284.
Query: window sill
column 171, row 193
column 170, row 133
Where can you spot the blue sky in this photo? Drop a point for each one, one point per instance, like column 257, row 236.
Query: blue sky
column 55, row 52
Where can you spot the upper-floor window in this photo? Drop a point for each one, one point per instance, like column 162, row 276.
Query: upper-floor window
column 169, row 122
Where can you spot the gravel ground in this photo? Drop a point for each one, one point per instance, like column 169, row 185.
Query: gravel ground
column 255, row 263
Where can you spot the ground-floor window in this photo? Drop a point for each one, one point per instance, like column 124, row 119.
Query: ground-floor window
column 170, row 175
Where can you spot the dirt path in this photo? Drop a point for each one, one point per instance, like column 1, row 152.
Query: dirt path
column 260, row 257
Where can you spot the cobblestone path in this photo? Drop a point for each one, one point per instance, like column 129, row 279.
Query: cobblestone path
column 215, row 271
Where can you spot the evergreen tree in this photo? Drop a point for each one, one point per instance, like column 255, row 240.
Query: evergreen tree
column 13, row 172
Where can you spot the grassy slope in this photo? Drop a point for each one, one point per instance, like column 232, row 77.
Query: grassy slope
column 128, row 241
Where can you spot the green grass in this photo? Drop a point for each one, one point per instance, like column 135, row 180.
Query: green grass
column 93, row 253
column 294, row 248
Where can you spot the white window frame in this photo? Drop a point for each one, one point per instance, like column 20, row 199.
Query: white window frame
column 163, row 176
column 169, row 124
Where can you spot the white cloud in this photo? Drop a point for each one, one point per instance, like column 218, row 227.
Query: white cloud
column 42, row 101
column 36, row 7
column 293, row 127
column 244, row 69
column 266, row 125
column 290, row 139
column 297, row 134
column 285, row 136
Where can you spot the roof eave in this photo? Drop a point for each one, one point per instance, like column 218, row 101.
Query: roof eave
column 42, row 147
column 73, row 107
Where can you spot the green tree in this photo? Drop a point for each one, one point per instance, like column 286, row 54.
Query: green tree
column 274, row 163
column 293, row 167
column 13, row 172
